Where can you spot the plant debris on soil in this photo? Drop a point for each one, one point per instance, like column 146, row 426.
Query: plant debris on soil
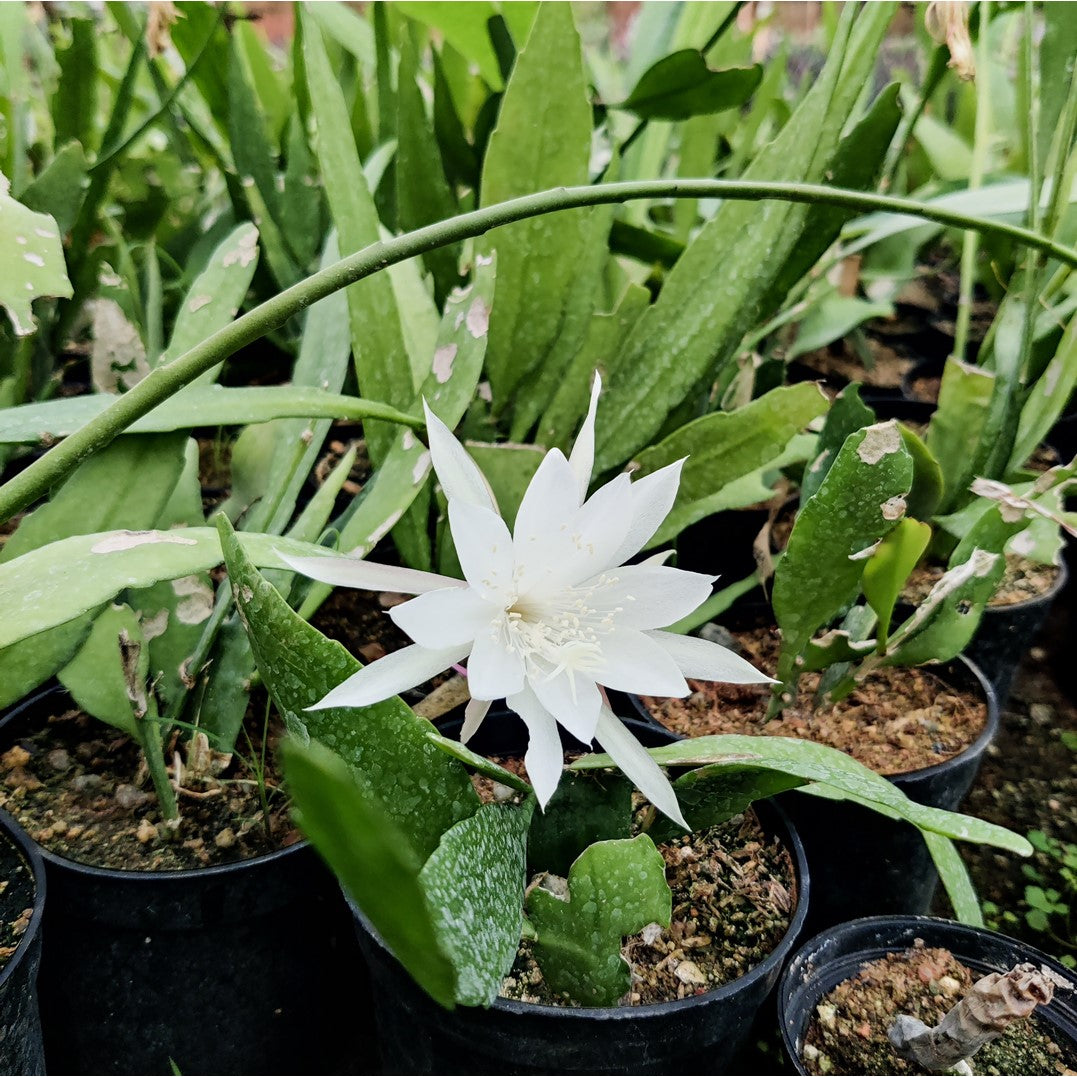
column 895, row 721
column 734, row 894
column 16, row 898
column 1022, row 580
column 79, row 788
column 848, row 1032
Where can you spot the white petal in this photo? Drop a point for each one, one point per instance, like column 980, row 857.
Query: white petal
column 582, row 457
column 344, row 571
column 659, row 558
column 708, row 661
column 485, row 550
column 474, row 713
column 447, row 618
column 573, row 699
column 632, row 758
column 390, row 675
column 650, row 596
column 548, row 507
column 544, row 758
column 633, row 662
column 651, row 499
column 493, row 670
column 458, row 474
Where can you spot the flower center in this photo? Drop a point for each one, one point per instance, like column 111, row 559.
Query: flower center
column 559, row 633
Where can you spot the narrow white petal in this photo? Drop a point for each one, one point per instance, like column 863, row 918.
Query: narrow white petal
column 573, row 699
column 493, row 670
column 708, row 661
column 548, row 506
column 458, row 474
column 633, row 662
column 544, row 758
column 342, row 571
column 474, row 713
column 582, row 457
column 484, row 548
column 632, row 758
column 651, row 499
column 659, row 558
column 390, row 675
column 447, row 618
column 650, row 596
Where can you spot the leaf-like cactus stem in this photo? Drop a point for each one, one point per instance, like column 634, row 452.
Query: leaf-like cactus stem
column 991, row 1006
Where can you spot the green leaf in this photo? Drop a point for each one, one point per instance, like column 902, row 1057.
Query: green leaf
column 927, row 481
column 584, row 809
column 479, row 763
column 75, row 97
column 831, row 318
column 728, row 445
column 955, row 877
column 31, row 661
column 60, row 188
column 199, row 405
column 1047, row 399
column 464, row 26
column 615, row 888
column 95, row 676
column 858, row 503
column 690, row 331
column 474, row 889
column 847, row 414
column 954, row 433
column 681, row 85
column 377, row 338
column 31, row 261
column 829, row 767
column 542, row 140
column 423, row 790
column 372, row 857
column 888, row 568
column 348, row 28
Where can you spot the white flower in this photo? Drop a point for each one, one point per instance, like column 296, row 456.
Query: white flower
column 546, row 615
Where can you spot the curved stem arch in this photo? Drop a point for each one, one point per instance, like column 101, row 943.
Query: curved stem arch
column 26, row 487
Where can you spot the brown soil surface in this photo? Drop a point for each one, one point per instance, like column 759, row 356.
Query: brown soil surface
column 734, row 892
column 16, row 898
column 77, row 787
column 1022, row 580
column 848, row 1031
column 895, row 721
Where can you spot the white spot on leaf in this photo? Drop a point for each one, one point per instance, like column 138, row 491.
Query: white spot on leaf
column 443, row 360
column 879, row 441
column 128, row 540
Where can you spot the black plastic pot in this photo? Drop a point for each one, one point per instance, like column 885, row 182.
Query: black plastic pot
column 232, row 969
column 862, row 863
column 21, row 1049
column 837, row 955
column 703, row 1032
column 1007, row 632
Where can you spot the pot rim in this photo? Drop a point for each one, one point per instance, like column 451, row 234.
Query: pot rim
column 1048, row 596
column 802, row 971
column 133, row 876
column 942, row 669
column 10, row 830
column 654, row 1010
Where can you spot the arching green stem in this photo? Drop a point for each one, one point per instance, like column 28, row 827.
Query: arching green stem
column 24, row 488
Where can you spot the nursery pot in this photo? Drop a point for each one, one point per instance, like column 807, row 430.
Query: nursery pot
column 864, row 864
column 21, row 1050
column 838, row 954
column 227, row 969
column 1006, row 633
column 705, row 1031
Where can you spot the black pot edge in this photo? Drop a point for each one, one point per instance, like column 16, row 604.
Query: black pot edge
column 979, row 745
column 30, row 849
column 115, row 874
column 793, row 970
column 775, row 959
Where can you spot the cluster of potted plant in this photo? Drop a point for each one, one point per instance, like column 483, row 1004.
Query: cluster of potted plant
column 490, row 379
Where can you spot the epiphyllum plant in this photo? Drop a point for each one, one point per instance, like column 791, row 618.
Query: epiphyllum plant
column 548, row 616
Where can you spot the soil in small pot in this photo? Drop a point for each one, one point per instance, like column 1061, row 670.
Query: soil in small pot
column 734, row 895
column 1022, row 580
column 848, row 1032
column 16, row 898
column 896, row 720
column 79, row 789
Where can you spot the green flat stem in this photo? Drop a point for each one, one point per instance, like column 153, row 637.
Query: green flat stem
column 162, row 382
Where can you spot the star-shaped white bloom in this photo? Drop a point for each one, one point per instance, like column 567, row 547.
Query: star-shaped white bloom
column 548, row 614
